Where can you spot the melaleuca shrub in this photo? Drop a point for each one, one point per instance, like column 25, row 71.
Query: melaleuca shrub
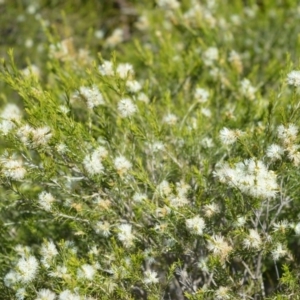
column 166, row 167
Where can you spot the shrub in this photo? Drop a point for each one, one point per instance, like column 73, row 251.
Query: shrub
column 160, row 162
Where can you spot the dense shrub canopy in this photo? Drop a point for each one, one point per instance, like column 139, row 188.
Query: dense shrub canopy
column 149, row 149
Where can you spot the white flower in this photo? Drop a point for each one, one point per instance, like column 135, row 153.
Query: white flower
column 253, row 240
column 202, row 265
column 31, row 70
column 281, row 226
column 126, row 108
column 278, row 252
column 24, row 133
column 293, row 78
column 210, row 56
column 64, row 109
column 211, row 209
column 133, row 86
column 287, row 134
column 41, row 136
column 10, row 115
column 206, row 112
column 139, row 197
column 116, row 38
column 13, row 168
column 247, row 89
column 21, row 294
column 27, row 268
column 93, row 162
column 61, row 148
column 195, row 225
column 168, row 4
column 92, row 96
column 201, row 95
column 45, row 294
column 46, row 200
column 60, row 272
column 222, row 293
column 106, row 69
column 182, row 188
column 240, row 221
column 143, row 98
column 170, row 119
column 207, row 142
column 34, row 137
column 150, row 277
column 122, row 165
column 99, row 34
column 124, row 70
column 48, row 252
column 142, row 23
column 68, row 295
column 297, row 228
column 11, row 278
column 102, row 228
column 125, row 235
column 156, row 146
column 293, row 153
column 251, row 177
column 86, row 271
column 235, row 60
column 274, row 152
column 22, row 250
column 228, row 136
column 164, row 188
column 219, row 246
column 178, row 201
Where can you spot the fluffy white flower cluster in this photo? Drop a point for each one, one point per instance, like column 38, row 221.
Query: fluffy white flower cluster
column 293, row 78
column 151, row 277
column 219, row 246
column 48, row 252
column 25, row 271
column 210, row 56
column 45, row 294
column 253, row 240
column 86, row 271
column 91, row 95
column 274, row 152
column 126, row 108
column 102, row 228
column 10, row 115
column 195, row 225
column 170, row 119
column 287, row 135
column 125, row 235
column 168, row 4
column 247, row 89
column 34, row 137
column 251, row 176
column 46, row 200
column 122, row 165
column 123, row 70
column 12, row 168
column 93, row 162
column 177, row 199
column 236, row 61
column 115, row 38
column 230, row 136
column 133, row 86
column 201, row 95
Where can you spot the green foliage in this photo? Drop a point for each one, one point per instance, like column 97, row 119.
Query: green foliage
column 149, row 150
